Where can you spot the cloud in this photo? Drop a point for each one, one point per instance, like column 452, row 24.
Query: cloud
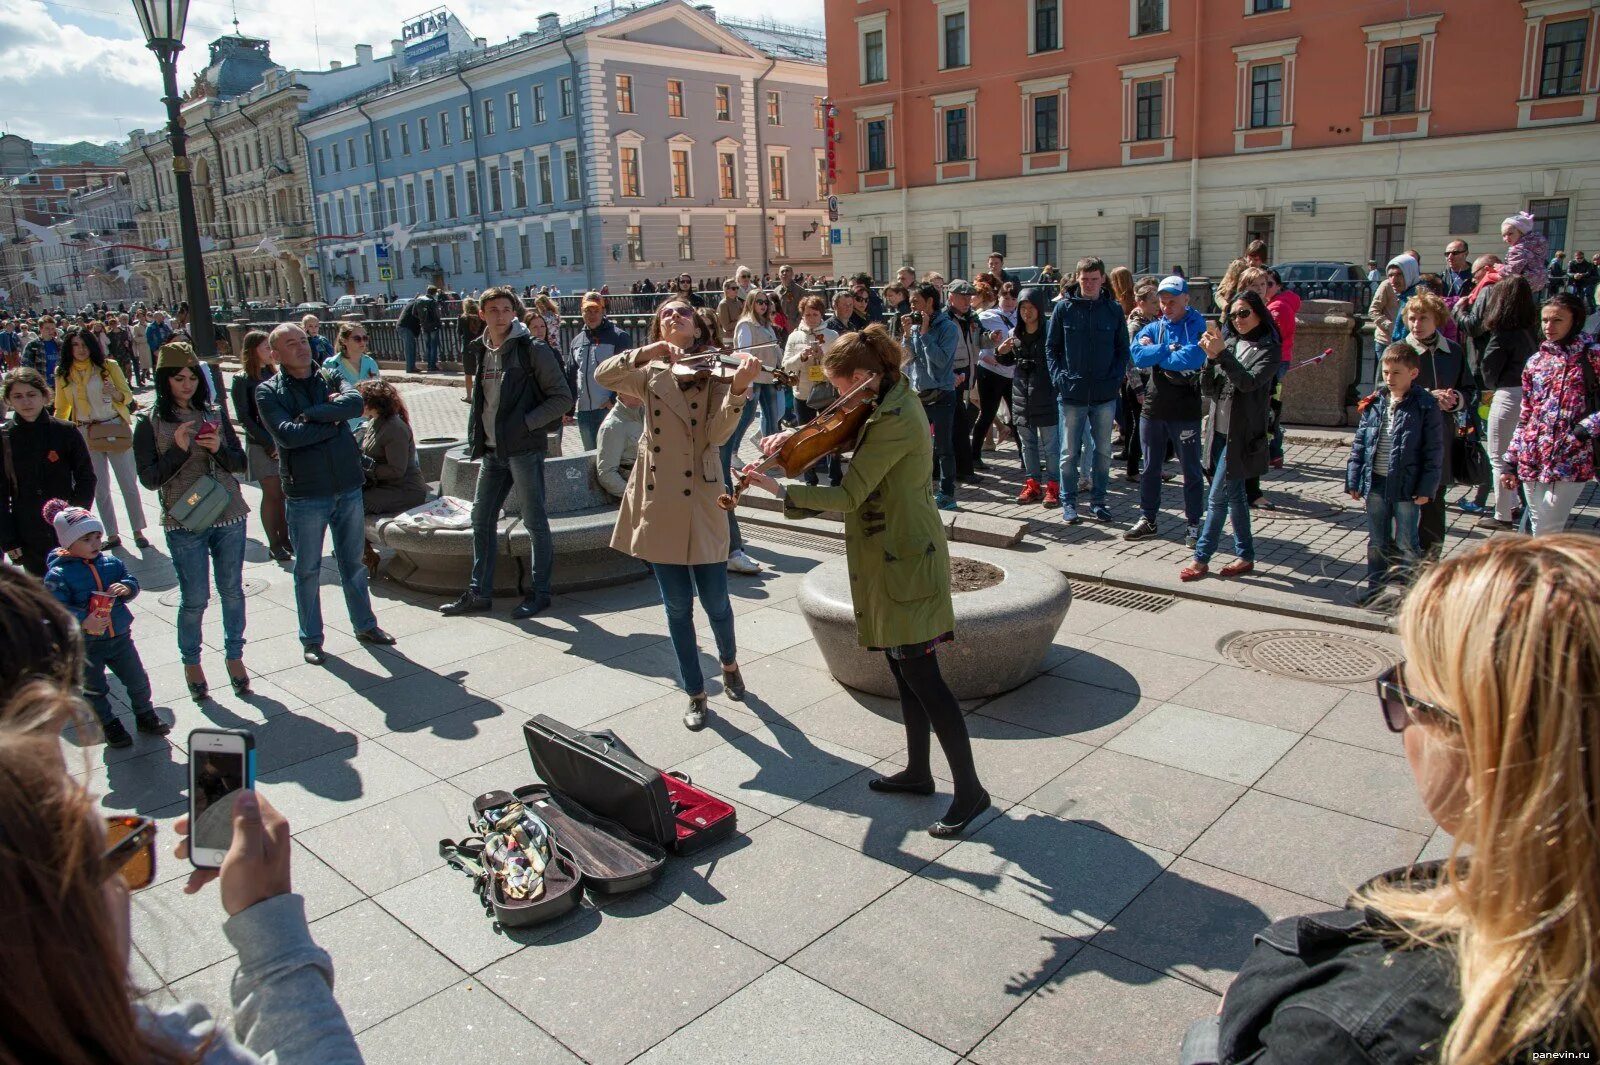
column 69, row 71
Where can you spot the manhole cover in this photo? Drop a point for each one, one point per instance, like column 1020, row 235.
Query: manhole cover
column 1306, row 654
column 251, row 587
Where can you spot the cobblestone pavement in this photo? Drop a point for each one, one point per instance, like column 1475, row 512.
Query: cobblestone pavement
column 1313, row 545
column 1156, row 803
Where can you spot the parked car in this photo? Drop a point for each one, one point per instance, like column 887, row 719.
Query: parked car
column 350, row 304
column 319, row 309
column 1325, row 280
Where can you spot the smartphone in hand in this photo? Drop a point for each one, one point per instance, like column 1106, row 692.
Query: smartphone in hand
column 222, row 763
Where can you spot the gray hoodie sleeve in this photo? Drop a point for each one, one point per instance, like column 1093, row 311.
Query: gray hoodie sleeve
column 284, row 1010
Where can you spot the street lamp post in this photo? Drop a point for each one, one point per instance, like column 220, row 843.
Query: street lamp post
column 163, row 23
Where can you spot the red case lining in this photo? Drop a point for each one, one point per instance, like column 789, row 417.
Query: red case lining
column 694, row 811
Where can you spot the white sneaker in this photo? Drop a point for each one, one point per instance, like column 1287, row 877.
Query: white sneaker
column 739, row 562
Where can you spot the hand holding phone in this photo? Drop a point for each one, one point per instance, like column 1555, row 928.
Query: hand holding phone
column 257, row 865
column 222, row 764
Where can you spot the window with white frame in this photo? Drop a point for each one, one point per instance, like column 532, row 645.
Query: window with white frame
column 1044, row 25
column 405, row 138
column 450, row 196
column 569, row 164
column 495, row 202
column 1398, row 92
column 625, row 93
column 873, row 46
column 1046, row 126
column 1147, row 16
column 780, row 240
column 411, row 204
column 727, row 175
column 778, row 175
column 819, row 113
column 1262, row 227
column 674, row 98
column 1399, row 78
column 564, row 91
column 1388, row 233
column 577, row 243
column 1148, row 98
column 1262, row 7
column 956, row 245
column 540, row 112
column 730, row 240
column 488, row 118
column 429, row 207
column 724, row 104
column 513, row 110
column 822, row 176
column 444, row 127
column 1266, row 95
column 879, row 257
column 952, row 27
column 1044, row 120
column 635, row 242
column 877, row 157
column 424, row 134
column 519, row 184
column 466, row 122
column 685, row 241
column 1561, row 57
column 1147, row 246
column 1550, row 219
column 628, row 178
column 472, row 194
column 547, row 191
column 774, row 108
column 550, row 247
column 680, row 172
column 1044, row 244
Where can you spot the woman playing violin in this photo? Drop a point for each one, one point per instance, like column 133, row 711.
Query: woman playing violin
column 669, row 515
column 899, row 563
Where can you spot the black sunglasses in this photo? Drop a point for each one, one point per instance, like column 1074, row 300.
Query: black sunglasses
column 1240, row 315
column 130, row 851
column 1401, row 709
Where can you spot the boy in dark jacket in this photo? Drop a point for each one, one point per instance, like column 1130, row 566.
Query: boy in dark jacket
column 1396, row 460
column 96, row 587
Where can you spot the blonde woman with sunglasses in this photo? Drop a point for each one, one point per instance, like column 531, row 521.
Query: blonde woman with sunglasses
column 351, row 361
column 1488, row 956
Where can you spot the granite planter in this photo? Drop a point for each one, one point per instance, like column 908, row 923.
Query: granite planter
column 1002, row 632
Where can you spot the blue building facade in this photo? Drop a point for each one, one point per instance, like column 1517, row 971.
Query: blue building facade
column 638, row 143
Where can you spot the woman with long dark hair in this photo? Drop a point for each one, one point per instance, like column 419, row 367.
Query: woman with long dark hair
column 261, row 451
column 1505, row 317
column 1242, row 364
column 184, row 437
column 899, row 565
column 41, row 458
column 92, row 394
column 669, row 516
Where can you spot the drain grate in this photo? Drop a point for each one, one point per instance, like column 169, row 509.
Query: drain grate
column 1306, row 654
column 804, row 540
column 251, row 587
column 1128, row 598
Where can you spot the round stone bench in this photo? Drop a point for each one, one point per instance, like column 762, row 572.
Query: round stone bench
column 1002, row 632
column 581, row 516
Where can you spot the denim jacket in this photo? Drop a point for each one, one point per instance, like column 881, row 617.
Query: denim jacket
column 933, row 354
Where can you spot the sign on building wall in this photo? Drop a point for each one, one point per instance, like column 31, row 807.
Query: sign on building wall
column 426, row 36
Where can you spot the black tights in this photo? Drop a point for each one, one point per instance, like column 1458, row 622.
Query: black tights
column 926, row 700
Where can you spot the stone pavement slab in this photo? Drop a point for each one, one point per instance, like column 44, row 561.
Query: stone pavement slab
column 1171, row 803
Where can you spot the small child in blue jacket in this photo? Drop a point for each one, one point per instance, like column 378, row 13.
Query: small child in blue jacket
column 75, row 573
column 1396, row 461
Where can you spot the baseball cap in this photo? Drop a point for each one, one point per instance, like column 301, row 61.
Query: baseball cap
column 958, row 287
column 1173, row 285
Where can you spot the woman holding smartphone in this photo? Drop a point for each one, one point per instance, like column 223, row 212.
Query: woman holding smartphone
column 899, row 565
column 669, row 516
column 183, row 438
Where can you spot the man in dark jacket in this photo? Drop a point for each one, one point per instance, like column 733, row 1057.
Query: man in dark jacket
column 598, row 340
column 308, row 410
column 41, row 459
column 1169, row 349
column 520, row 394
column 430, row 319
column 44, row 350
column 1086, row 349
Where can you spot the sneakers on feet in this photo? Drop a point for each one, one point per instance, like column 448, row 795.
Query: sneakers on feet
column 739, row 562
column 116, row 734
column 1192, row 537
column 946, row 502
column 1069, row 514
column 694, row 718
column 1101, row 512
column 1143, row 529
column 149, row 722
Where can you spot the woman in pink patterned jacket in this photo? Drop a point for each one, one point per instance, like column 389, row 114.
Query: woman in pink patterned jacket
column 1552, row 453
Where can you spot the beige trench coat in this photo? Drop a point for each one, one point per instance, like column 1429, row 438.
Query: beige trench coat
column 669, row 513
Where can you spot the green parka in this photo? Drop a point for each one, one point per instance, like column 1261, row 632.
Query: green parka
column 894, row 539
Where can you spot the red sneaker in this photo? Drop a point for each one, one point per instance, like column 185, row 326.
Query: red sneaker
column 1030, row 492
column 1052, row 494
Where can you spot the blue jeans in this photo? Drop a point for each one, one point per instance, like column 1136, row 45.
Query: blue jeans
column 1392, row 532
column 678, row 586
column 771, row 405
column 431, row 342
column 942, row 415
column 1154, row 435
column 495, row 477
column 119, row 655
column 1226, row 500
column 408, row 346
column 1041, row 451
column 1100, row 418
column 223, row 546
column 589, row 427
column 309, row 518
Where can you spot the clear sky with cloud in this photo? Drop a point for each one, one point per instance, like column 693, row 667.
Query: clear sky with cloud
column 79, row 70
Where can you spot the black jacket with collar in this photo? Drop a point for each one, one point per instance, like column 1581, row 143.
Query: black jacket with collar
column 39, row 461
column 309, row 417
column 1339, row 988
column 534, row 396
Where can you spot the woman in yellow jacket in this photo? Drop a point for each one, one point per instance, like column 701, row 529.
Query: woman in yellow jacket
column 90, row 391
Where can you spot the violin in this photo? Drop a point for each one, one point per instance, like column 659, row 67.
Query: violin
column 834, row 429
column 721, row 365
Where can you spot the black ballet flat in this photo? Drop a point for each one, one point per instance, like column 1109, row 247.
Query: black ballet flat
column 949, row 829
column 901, row 787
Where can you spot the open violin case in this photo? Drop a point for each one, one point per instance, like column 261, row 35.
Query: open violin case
column 598, row 773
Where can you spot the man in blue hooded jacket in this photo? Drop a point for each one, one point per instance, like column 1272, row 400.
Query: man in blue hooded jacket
column 1086, row 350
column 1169, row 348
